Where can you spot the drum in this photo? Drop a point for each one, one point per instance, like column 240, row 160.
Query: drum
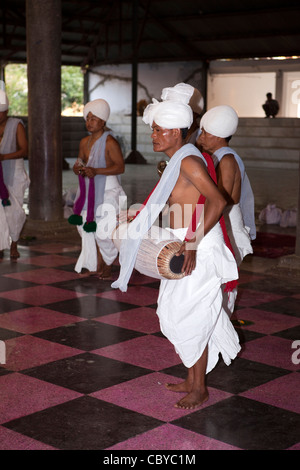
column 156, row 256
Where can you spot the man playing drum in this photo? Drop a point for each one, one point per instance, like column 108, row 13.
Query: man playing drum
column 189, row 309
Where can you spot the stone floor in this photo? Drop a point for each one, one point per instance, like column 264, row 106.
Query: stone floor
column 85, row 365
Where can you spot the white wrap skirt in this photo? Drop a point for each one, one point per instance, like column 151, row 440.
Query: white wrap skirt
column 190, row 309
column 106, row 218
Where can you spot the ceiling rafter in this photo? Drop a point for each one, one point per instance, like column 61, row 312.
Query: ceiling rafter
column 95, row 32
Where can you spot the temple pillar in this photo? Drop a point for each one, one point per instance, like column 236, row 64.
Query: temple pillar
column 43, row 29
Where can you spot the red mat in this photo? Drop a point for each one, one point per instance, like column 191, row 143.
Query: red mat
column 273, row 245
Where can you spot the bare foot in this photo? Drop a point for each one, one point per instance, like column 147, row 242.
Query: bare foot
column 180, row 387
column 106, row 274
column 14, row 254
column 192, row 400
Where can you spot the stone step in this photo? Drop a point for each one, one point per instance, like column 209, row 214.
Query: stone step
column 265, row 142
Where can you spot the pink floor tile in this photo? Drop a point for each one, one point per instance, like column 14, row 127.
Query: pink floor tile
column 250, row 298
column 143, row 319
column 282, row 392
column 147, row 351
column 137, row 295
column 48, row 260
column 265, row 322
column 148, row 395
column 22, row 395
column 33, row 319
column 170, row 437
column 270, row 350
column 44, row 276
column 25, row 352
column 295, row 447
column 40, row 295
column 10, row 440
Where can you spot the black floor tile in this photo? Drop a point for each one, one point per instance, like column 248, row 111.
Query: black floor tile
column 8, row 334
column 246, row 335
column 291, row 333
column 272, row 284
column 9, row 267
column 85, row 285
column 88, row 335
column 7, row 284
column 240, row 376
column 89, row 306
column 86, row 373
column 7, row 305
column 285, row 306
column 246, row 424
column 83, row 424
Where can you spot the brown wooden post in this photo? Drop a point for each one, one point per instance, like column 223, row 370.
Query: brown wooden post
column 43, row 28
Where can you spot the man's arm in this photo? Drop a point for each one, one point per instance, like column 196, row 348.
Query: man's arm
column 22, row 146
column 195, row 171
column 229, row 179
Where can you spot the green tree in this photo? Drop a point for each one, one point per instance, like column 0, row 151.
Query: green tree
column 71, row 86
column 17, row 88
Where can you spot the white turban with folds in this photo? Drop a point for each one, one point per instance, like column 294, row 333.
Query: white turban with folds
column 221, row 121
column 99, row 108
column 4, row 103
column 181, row 92
column 168, row 114
column 186, row 94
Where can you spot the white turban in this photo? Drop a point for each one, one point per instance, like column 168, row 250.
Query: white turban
column 168, row 114
column 99, row 108
column 4, row 103
column 181, row 92
column 184, row 93
column 221, row 121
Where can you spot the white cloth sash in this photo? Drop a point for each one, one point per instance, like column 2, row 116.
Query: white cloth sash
column 247, row 197
column 148, row 215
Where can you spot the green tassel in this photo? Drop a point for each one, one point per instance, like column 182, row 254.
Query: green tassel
column 75, row 219
column 90, row 226
column 5, row 202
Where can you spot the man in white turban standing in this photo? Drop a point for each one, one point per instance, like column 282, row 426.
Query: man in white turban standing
column 13, row 178
column 189, row 309
column 217, row 127
column 100, row 161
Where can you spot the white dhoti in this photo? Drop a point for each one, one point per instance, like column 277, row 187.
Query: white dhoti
column 15, row 215
column 4, row 231
column 15, row 179
column 106, row 219
column 237, row 232
column 239, row 236
column 190, row 309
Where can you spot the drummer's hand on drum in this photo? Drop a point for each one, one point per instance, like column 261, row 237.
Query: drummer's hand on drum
column 189, row 263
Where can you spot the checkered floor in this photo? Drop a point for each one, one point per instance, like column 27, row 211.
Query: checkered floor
column 86, row 365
